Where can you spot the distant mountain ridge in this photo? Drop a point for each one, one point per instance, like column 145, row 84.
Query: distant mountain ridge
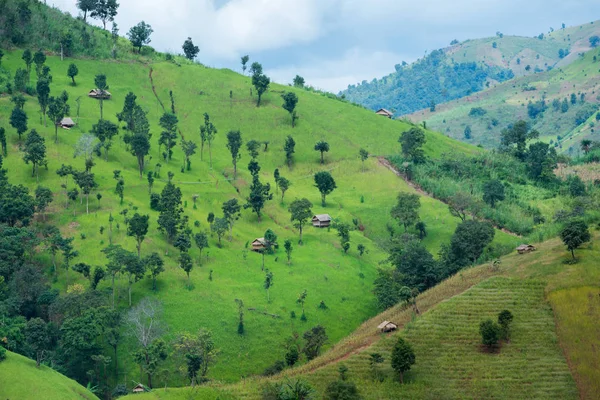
column 471, row 66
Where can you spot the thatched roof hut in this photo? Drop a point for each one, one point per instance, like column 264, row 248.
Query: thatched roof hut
column 321, row 220
column 387, row 326
column 67, row 123
column 99, row 94
column 385, row 113
column 139, row 388
column 525, row 248
column 259, row 245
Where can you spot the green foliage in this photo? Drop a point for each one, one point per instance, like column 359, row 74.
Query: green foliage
column 139, row 35
column 189, row 49
column 35, row 151
column 322, row 147
column 234, row 144
column 314, row 338
column 289, row 148
column 412, row 142
column 493, row 192
column 505, row 318
column 574, row 234
column 290, row 100
column 325, row 183
column 490, row 333
column 402, row 358
column 406, row 210
column 300, row 213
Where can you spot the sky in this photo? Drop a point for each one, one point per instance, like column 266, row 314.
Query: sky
column 335, row 43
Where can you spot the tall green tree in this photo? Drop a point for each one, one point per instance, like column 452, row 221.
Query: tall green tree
column 244, row 61
column 186, row 264
column 234, row 144
column 69, row 253
column 102, row 87
column 35, row 152
column 364, row 155
column 85, row 181
column 412, row 142
column 138, row 229
column 86, row 6
column 39, row 59
column 403, row 357
column 284, row 185
column 322, row 147
column 259, row 194
column 3, row 141
column 299, row 81
column 168, row 136
column 289, row 148
column 260, row 81
column 139, row 35
column 325, row 183
column 38, row 337
column 201, row 241
column 253, row 146
column 139, row 140
column 514, row 139
column 189, row 149
column 155, row 265
column 43, row 198
column 220, row 227
column 268, row 284
column 406, row 210
column 541, row 161
column 27, row 57
column 72, row 72
column 105, row 130
column 57, row 110
column 287, row 245
column 43, row 95
column 493, row 192
column 231, row 213
column 189, row 49
column 470, row 240
column 574, row 234
column 315, row 339
column 150, row 358
column 301, row 213
column 105, row 11
column 18, row 120
column 207, row 130
column 290, row 100
column 126, row 115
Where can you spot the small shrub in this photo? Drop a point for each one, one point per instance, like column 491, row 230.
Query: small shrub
column 274, row 369
column 504, row 320
column 2, row 353
column 490, row 333
column 322, row 305
column 292, row 314
column 155, row 201
column 83, row 236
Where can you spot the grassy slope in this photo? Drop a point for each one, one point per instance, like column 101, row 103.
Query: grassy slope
column 450, row 363
column 508, row 101
column 20, row 379
column 319, row 266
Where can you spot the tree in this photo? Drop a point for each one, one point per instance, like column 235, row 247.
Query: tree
column 299, row 81
column 155, row 265
column 138, row 229
column 302, row 300
column 252, row 146
column 57, row 110
column 301, row 212
column 364, row 155
column 412, row 142
column 260, row 81
column 342, row 389
column 105, row 130
column 139, row 35
column 541, row 161
column 415, row 264
column 493, row 192
column 43, row 95
column 231, row 213
column 459, row 205
column 325, row 183
column 220, row 227
column 234, row 144
column 289, row 148
column 43, row 197
column 139, row 141
column 259, row 194
column 86, row 6
column 38, row 337
column 201, row 240
column 189, row 149
column 406, row 210
column 27, row 57
column 576, row 186
column 322, row 147
column 245, row 60
column 505, row 318
column 585, row 145
column 126, row 114
column 72, row 72
column 290, row 100
column 189, row 49
column 287, row 245
column 39, row 59
column 199, row 352
column 268, row 283
column 403, row 357
column 514, row 139
column 82, row 268
column 3, row 141
column 467, row 132
column 168, row 136
column 270, row 241
column 207, row 132
column 18, row 120
column 102, row 87
column 594, row 41
column 186, row 264
column 315, row 339
column 69, row 253
column 574, row 234
column 284, row 185
column 170, row 211
column 35, row 152
column 469, row 240
column 105, row 11
column 490, row 333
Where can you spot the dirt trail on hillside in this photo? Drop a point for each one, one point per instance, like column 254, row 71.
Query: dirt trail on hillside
column 383, row 161
column 158, row 98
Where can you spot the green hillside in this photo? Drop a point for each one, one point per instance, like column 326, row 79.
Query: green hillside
column 468, row 67
column 342, row 281
column 562, row 126
column 20, row 379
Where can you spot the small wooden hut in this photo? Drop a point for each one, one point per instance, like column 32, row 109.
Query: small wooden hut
column 99, row 94
column 259, row 245
column 525, row 248
column 139, row 388
column 67, row 123
column 385, row 113
column 321, row 220
column 387, row 326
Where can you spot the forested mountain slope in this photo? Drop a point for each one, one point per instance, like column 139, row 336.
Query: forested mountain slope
column 469, row 67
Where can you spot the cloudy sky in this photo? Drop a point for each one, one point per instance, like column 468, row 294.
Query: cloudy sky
column 333, row 43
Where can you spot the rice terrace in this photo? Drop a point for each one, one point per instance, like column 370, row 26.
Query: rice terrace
column 198, row 201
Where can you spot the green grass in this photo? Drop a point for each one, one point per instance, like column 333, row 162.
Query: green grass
column 21, row 379
column 343, row 282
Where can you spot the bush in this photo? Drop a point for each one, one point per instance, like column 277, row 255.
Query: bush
column 155, row 201
column 504, row 320
column 274, row 369
column 2, row 353
column 490, row 333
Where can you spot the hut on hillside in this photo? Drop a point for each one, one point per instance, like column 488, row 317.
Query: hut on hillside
column 321, row 220
column 99, row 94
column 385, row 113
column 525, row 248
column 259, row 245
column 387, row 326
column 139, row 388
column 67, row 123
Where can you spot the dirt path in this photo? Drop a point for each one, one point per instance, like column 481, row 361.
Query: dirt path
column 158, row 98
column 383, row 161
